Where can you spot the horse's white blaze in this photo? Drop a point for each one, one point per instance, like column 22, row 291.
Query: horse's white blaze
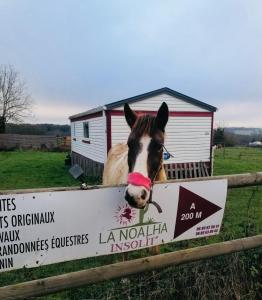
column 141, row 159
column 140, row 167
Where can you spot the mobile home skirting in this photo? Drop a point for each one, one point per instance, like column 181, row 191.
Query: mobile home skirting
column 89, row 166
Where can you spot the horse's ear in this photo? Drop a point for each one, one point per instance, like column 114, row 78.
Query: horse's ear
column 130, row 115
column 162, row 116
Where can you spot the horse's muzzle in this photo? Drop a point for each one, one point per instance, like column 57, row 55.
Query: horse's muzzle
column 138, row 190
column 134, row 201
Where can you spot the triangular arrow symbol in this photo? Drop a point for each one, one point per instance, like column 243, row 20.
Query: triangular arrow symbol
column 191, row 210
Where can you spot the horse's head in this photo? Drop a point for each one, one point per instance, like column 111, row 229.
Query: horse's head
column 145, row 151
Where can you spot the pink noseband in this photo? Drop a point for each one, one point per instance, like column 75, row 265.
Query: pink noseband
column 139, row 179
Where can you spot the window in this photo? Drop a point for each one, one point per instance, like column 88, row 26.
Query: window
column 86, row 130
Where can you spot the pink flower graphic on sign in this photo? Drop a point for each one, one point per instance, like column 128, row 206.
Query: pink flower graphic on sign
column 125, row 214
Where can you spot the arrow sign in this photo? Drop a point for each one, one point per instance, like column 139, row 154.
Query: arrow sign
column 192, row 209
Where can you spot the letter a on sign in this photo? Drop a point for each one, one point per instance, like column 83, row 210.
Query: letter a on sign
column 186, row 217
column 192, row 206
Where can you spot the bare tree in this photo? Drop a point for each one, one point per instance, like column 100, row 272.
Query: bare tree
column 15, row 102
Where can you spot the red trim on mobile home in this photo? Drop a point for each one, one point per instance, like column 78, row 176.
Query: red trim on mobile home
column 108, row 130
column 211, row 142
column 87, row 117
column 190, row 114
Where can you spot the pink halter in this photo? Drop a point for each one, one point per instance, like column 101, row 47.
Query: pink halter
column 139, row 180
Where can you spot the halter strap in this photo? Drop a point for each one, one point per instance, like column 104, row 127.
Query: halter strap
column 158, row 207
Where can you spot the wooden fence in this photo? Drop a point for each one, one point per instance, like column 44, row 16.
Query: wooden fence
column 234, row 181
column 187, row 170
column 58, row 283
column 77, row 279
column 35, row 142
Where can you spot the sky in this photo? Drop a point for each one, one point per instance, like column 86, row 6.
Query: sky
column 76, row 55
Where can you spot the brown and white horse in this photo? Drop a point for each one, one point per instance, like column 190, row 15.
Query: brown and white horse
column 139, row 162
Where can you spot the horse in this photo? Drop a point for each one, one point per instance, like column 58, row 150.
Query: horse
column 139, row 162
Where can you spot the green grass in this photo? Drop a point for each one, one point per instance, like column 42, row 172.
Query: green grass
column 34, row 169
column 237, row 160
column 225, row 277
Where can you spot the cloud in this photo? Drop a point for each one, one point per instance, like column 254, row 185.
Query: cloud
column 95, row 52
column 244, row 114
column 55, row 113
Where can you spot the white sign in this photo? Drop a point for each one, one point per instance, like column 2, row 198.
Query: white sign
column 49, row 227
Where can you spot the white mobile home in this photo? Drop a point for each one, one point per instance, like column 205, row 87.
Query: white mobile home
column 188, row 132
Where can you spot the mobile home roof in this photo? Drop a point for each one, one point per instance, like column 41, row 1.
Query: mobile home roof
column 165, row 90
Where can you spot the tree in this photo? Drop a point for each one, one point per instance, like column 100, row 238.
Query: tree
column 15, row 102
column 219, row 136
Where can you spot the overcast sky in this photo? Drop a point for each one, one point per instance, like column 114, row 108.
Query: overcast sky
column 75, row 55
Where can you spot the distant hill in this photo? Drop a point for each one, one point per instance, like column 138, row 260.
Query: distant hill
column 64, row 130
column 237, row 136
column 244, row 131
column 39, row 129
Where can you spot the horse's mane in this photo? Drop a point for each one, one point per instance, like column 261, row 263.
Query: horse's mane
column 143, row 125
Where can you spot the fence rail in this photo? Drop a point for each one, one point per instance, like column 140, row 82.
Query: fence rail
column 234, row 181
column 58, row 283
column 37, row 142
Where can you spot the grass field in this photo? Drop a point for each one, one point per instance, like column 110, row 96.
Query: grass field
column 237, row 160
column 34, row 169
column 235, row 276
